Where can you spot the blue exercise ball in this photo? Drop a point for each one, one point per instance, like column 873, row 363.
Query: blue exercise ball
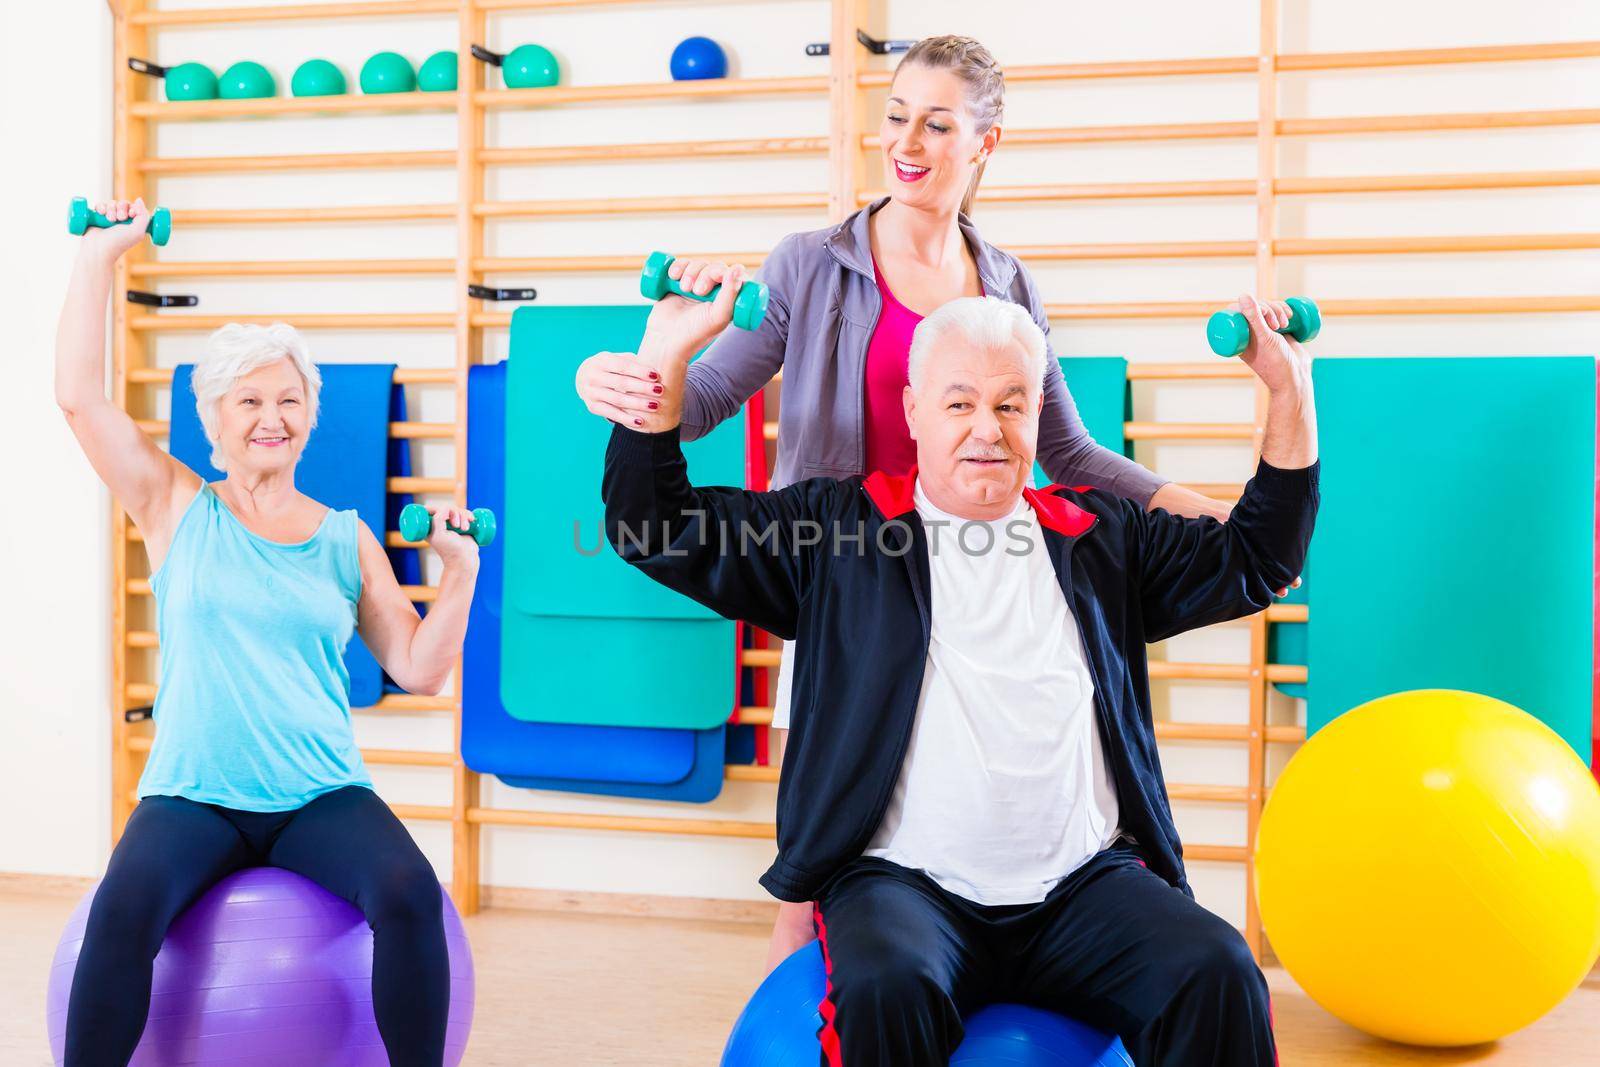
column 698, row 57
column 778, row 1028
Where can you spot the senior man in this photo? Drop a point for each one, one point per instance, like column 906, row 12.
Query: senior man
column 971, row 791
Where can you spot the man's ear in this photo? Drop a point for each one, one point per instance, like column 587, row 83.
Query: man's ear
column 909, row 401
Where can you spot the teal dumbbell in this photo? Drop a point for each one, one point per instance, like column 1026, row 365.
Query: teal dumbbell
column 416, row 523
column 81, row 219
column 749, row 308
column 1229, row 331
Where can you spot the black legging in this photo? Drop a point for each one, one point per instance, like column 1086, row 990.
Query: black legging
column 173, row 850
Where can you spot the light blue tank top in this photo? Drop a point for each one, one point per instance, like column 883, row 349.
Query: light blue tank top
column 253, row 706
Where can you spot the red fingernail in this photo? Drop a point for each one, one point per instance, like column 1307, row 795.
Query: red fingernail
column 653, row 405
column 657, row 388
column 638, row 422
column 654, row 377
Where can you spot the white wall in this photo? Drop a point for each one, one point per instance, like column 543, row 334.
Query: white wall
column 55, row 639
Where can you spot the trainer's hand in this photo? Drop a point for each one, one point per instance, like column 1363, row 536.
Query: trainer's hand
column 679, row 328
column 111, row 241
column 1282, row 364
column 619, row 387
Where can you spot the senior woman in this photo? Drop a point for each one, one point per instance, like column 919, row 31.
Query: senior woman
column 844, row 302
column 258, row 589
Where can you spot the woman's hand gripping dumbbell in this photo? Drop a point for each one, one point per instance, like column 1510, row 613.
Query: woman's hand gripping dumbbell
column 475, row 529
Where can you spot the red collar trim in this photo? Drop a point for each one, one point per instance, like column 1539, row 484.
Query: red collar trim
column 894, row 496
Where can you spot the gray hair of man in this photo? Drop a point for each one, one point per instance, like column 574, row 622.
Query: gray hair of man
column 233, row 352
column 982, row 322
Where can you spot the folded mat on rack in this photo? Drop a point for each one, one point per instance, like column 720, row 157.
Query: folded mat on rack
column 346, row 464
column 587, row 639
column 1455, row 542
column 614, row 760
column 1099, row 387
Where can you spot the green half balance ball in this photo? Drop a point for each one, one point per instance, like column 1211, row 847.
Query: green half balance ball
column 388, row 72
column 438, row 73
column 247, row 80
column 317, row 77
column 530, row 66
column 190, row 81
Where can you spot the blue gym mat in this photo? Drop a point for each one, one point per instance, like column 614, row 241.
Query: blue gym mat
column 1455, row 545
column 346, row 464
column 612, row 760
column 586, row 638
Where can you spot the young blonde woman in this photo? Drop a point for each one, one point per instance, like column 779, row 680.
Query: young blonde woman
column 844, row 302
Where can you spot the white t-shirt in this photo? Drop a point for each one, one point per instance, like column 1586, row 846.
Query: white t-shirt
column 1004, row 790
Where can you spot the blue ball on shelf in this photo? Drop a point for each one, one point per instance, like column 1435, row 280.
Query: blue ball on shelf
column 698, row 57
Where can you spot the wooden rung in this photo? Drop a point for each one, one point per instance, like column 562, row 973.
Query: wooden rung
column 296, row 215
column 739, row 772
column 402, row 757
column 142, row 639
column 1065, row 135
column 382, row 321
column 139, row 693
column 1187, row 431
column 571, row 820
column 423, row 812
column 491, row 319
column 1136, row 250
column 367, row 9
column 185, row 110
column 1143, row 68
column 412, row 431
column 1231, row 370
column 617, row 153
column 1210, row 731
column 247, row 268
column 1430, row 56
column 1217, row 794
column 1461, row 305
column 412, row 702
column 760, row 657
column 1508, row 242
column 653, row 205
column 1215, row 853
column 1476, row 120
column 738, row 88
column 421, row 485
column 593, row 264
column 1288, row 613
column 317, row 161
column 752, row 716
column 1034, row 194
column 402, row 376
column 1405, row 183
column 1225, row 672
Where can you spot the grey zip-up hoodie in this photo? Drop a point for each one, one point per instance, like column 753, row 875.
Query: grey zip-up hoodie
column 823, row 310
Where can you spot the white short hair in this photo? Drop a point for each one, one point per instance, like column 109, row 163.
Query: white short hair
column 236, row 350
column 983, row 322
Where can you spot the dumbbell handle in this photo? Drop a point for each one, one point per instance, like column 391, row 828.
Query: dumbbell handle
column 416, row 522
column 1228, row 332
column 81, row 218
column 750, row 306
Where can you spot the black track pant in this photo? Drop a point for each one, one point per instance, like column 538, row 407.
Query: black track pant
column 1113, row 946
column 173, row 850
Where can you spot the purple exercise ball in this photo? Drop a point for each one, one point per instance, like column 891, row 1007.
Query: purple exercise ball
column 266, row 968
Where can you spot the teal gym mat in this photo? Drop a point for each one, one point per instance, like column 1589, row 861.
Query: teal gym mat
column 587, row 639
column 1099, row 386
column 1455, row 543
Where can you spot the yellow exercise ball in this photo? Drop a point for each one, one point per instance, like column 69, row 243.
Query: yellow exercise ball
column 1428, row 868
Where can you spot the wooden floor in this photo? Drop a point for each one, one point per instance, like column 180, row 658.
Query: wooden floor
column 569, row 990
